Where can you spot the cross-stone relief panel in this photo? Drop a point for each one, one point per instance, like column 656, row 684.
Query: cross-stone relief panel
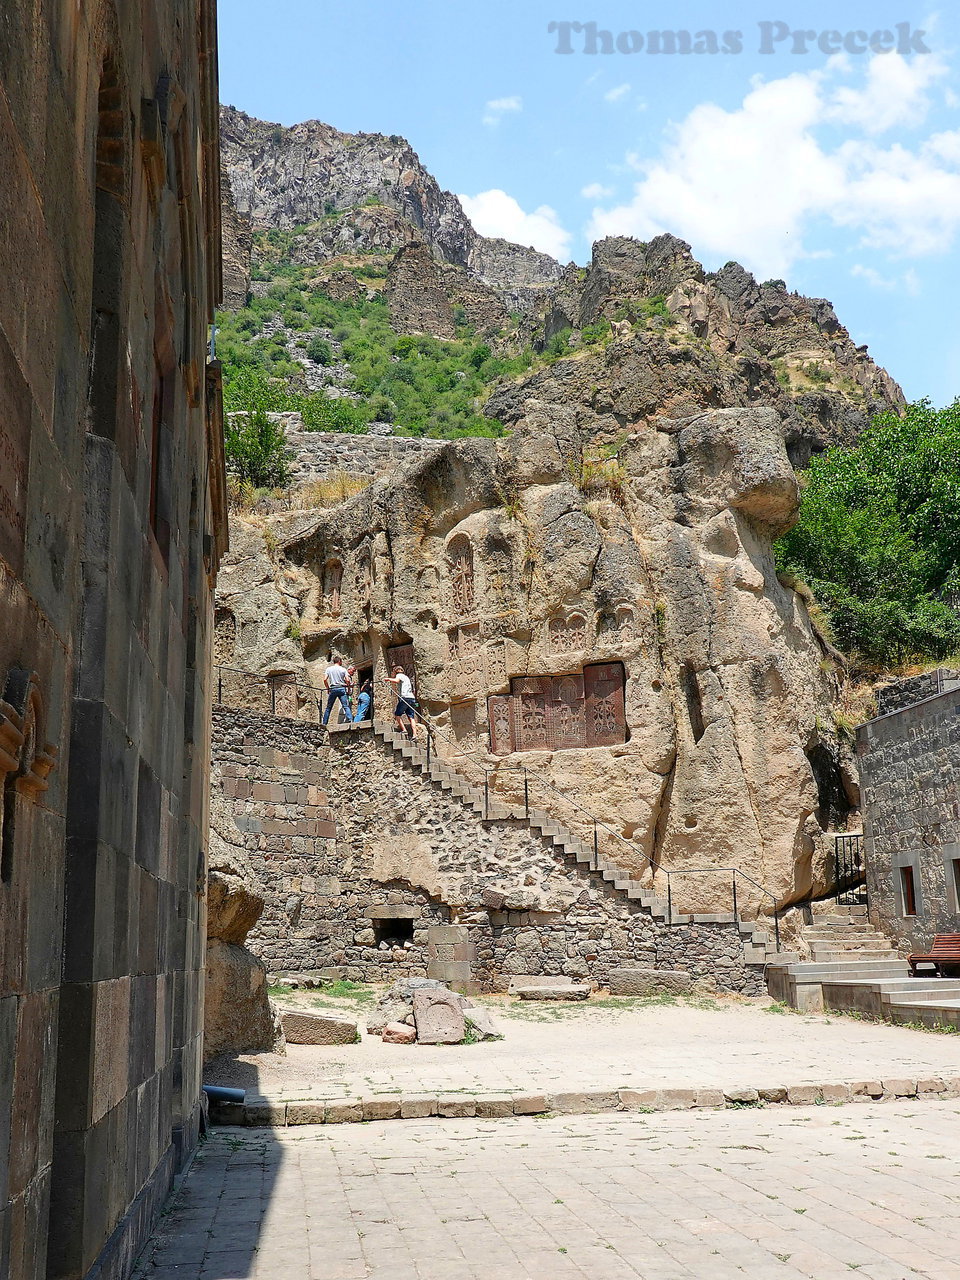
column 462, row 586
column 567, row 635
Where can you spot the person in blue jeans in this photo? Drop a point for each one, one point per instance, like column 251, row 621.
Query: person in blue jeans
column 364, row 699
column 336, row 679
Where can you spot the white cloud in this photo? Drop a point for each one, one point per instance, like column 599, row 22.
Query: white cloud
column 908, row 282
column 895, row 93
column 494, row 213
column 596, row 191
column 614, row 95
column 748, row 183
column 497, row 108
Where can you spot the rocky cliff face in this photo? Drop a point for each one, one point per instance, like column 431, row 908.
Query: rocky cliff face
column 362, row 192
column 687, row 340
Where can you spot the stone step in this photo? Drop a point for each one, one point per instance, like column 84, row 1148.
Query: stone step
column 574, row 992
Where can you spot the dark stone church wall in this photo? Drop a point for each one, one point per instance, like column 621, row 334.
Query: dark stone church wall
column 111, row 528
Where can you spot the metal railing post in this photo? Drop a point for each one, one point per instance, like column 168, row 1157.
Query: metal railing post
column 734, row 895
column 596, row 848
column 220, row 684
column 776, row 926
column 486, row 796
column 428, row 746
column 273, row 698
column 669, row 899
column 526, row 795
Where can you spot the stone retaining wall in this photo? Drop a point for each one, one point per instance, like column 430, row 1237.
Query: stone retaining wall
column 346, row 838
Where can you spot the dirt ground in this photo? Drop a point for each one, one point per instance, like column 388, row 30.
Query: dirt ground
column 667, row 1042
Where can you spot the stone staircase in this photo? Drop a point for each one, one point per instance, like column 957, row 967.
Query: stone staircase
column 853, row 968
column 846, row 934
column 758, row 945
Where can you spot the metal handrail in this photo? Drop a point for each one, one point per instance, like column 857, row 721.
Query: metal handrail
column 433, row 730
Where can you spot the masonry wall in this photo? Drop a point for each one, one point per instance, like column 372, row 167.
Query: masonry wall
column 910, row 769
column 343, row 837
column 111, row 527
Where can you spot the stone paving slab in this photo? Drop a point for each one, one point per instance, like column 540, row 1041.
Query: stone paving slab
column 803, row 1194
column 260, row 1112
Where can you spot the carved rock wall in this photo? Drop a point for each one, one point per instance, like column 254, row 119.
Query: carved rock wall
column 501, row 560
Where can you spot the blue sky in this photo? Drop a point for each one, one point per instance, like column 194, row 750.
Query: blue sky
column 836, row 170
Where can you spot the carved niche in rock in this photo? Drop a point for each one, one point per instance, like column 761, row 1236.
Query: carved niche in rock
column 619, row 624
column 559, row 712
column 401, row 655
column 466, row 658
column 462, row 585
column 24, row 765
column 224, row 638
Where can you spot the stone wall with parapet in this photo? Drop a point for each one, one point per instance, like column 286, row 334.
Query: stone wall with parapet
column 318, row 454
column 906, row 693
column 910, row 771
column 344, row 838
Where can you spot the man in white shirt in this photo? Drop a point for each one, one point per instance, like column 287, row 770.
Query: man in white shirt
column 336, row 678
column 405, row 712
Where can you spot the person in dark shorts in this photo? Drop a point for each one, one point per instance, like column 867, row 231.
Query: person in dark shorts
column 405, row 712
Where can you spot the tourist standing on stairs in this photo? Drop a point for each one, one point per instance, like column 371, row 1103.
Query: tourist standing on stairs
column 364, row 699
column 336, row 679
column 405, row 712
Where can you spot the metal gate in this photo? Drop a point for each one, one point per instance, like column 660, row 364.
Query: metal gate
column 850, row 871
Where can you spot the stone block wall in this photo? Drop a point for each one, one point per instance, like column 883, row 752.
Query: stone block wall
column 345, row 838
column 910, row 770
column 111, row 527
column 318, row 454
column 907, row 693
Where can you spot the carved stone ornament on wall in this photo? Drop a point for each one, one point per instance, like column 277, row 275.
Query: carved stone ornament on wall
column 25, row 765
column 460, row 559
column 567, row 635
column 332, row 587
column 560, row 712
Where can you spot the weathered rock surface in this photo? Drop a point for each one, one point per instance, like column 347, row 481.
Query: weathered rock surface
column 301, row 1027
column 366, row 192
column 399, row 1033
column 237, row 245
column 712, row 340
column 238, row 1015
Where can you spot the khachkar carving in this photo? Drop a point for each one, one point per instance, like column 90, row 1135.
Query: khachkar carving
column 567, row 635
column 332, row 588
column 559, row 712
column 618, row 625
column 24, row 765
column 462, row 586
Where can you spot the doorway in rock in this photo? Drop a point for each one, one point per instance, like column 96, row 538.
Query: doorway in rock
column 364, row 674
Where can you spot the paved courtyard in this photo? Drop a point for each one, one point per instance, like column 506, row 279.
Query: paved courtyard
column 821, row 1193
column 547, row 1049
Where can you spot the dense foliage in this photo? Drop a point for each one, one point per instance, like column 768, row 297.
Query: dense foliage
column 421, row 385
column 878, row 540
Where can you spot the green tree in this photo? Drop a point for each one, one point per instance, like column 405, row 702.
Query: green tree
column 878, row 539
column 256, row 450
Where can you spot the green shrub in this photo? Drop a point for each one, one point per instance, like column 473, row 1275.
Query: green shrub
column 256, row 450
column 320, row 351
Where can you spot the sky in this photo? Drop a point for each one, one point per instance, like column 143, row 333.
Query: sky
column 814, row 148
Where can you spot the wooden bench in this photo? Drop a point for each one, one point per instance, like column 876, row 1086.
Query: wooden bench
column 945, row 953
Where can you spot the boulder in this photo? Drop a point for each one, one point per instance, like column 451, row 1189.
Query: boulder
column 574, row 992
column 301, row 1027
column 238, row 1016
column 399, row 1033
column 479, row 1021
column 439, row 1016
